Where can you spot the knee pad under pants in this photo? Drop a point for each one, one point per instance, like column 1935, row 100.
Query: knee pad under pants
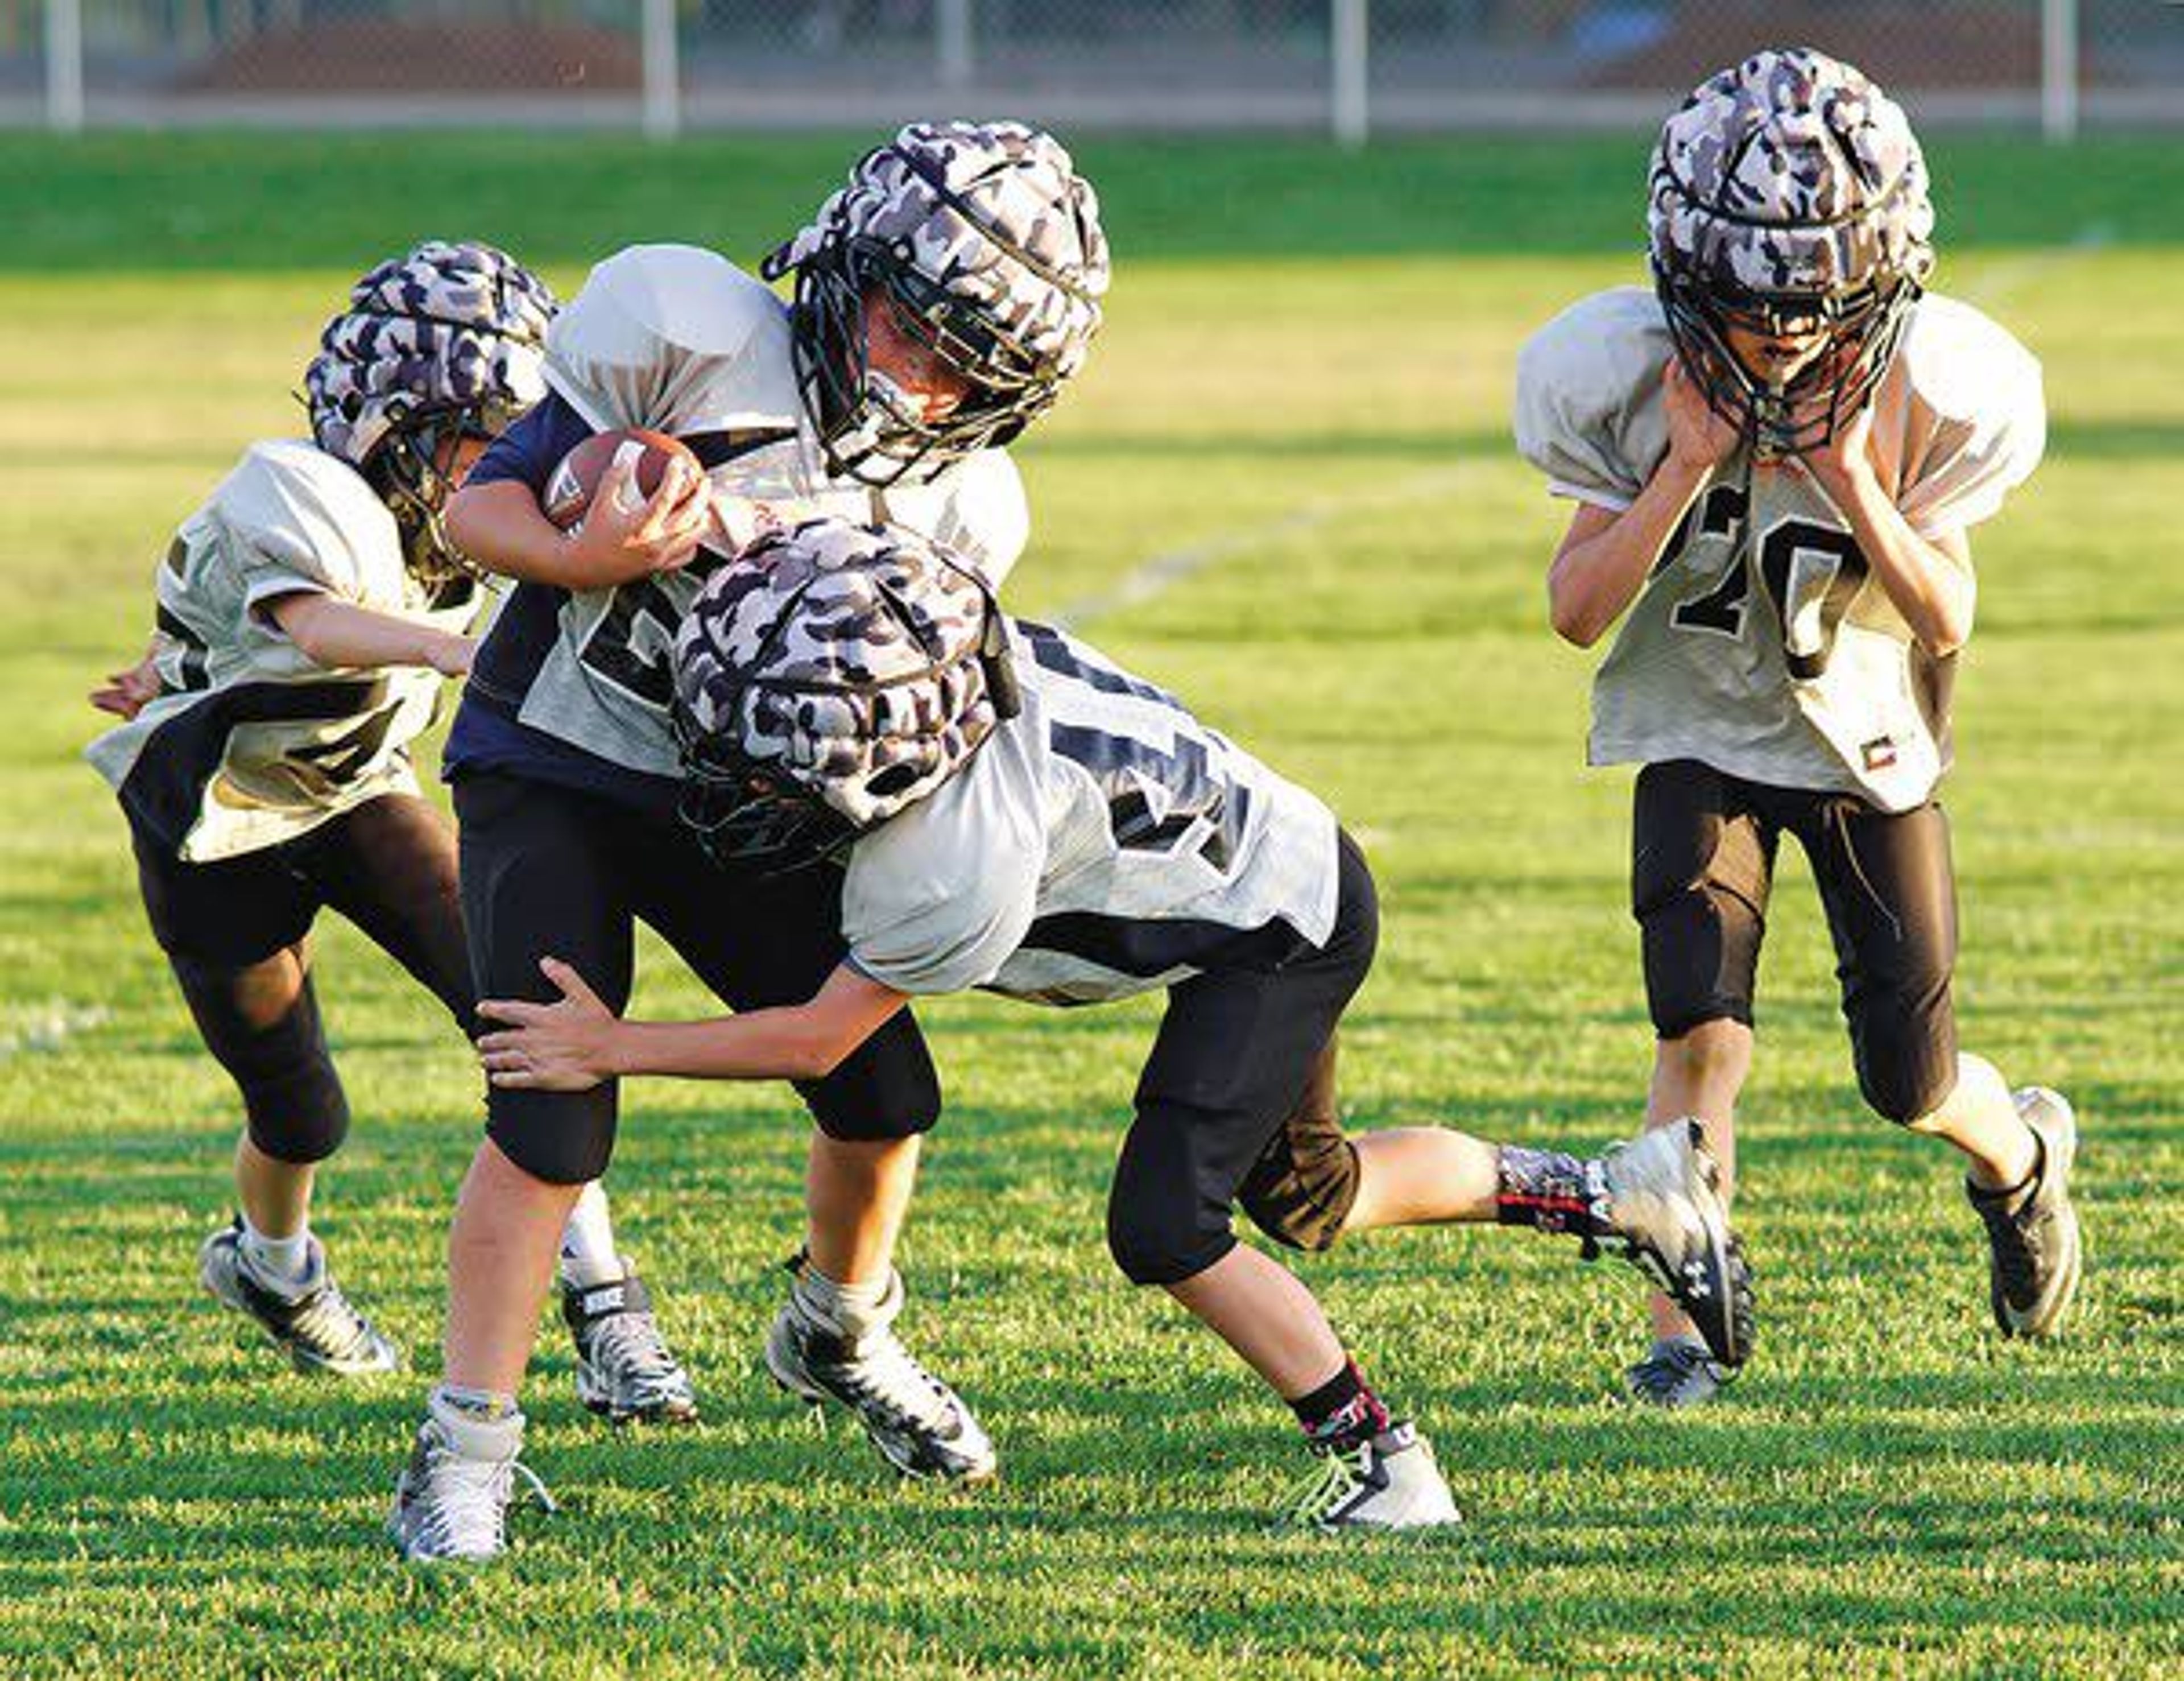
column 271, row 1041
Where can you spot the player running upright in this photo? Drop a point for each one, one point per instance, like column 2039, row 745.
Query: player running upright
column 1777, row 455
column 943, row 297
column 1019, row 814
column 307, row 614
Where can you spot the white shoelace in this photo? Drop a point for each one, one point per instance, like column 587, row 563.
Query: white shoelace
column 630, row 1348
column 466, row 1502
column 886, row 1370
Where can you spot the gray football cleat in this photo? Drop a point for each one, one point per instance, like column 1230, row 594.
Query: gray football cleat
column 1388, row 1482
column 317, row 1324
column 1677, row 1372
column 624, row 1368
column 2036, row 1253
column 917, row 1422
column 451, row 1501
column 1664, row 1214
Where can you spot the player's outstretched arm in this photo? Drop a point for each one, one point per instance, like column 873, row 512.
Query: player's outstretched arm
column 341, row 634
column 1607, row 553
column 624, row 537
column 576, row 1042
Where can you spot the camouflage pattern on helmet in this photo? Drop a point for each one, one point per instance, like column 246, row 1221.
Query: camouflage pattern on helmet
column 995, row 215
column 1789, row 173
column 444, row 326
column 842, row 661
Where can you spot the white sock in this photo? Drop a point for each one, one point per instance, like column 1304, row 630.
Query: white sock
column 588, row 1256
column 278, row 1262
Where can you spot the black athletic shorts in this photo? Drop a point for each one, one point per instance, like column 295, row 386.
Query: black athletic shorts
column 1703, row 852
column 1245, row 1051
column 228, row 926
column 548, row 871
column 388, row 866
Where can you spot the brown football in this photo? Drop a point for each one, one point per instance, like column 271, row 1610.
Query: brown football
column 574, row 481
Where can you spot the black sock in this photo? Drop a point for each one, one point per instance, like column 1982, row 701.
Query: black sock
column 1343, row 1411
column 1551, row 1191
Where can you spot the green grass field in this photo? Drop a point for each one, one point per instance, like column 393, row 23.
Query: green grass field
column 1303, row 388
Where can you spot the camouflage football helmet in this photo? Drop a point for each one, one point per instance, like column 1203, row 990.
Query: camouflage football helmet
column 444, row 342
column 828, row 678
column 985, row 243
column 1788, row 196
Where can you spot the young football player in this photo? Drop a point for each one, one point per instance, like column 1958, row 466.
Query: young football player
column 306, row 616
column 943, row 297
column 1021, row 815
column 1776, row 455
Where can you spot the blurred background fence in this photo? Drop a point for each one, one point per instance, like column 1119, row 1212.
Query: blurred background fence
column 1346, row 66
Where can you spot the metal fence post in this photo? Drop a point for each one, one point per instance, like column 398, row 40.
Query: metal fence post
column 663, row 77
column 952, row 43
column 64, row 66
column 2059, row 70
column 1348, row 27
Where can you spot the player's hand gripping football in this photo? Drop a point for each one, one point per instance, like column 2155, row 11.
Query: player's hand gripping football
column 626, row 534
column 562, row 1046
column 1698, row 438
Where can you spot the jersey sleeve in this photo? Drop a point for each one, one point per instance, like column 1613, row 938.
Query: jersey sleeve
column 937, row 899
column 1588, row 412
column 675, row 338
column 298, row 521
column 1982, row 391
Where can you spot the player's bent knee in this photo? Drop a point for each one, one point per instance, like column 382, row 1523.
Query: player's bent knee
column 1153, row 1250
column 1911, row 1094
column 300, row 1115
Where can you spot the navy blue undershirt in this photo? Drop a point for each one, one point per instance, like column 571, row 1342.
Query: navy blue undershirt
column 487, row 735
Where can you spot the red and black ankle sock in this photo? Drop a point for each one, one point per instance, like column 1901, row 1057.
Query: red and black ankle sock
column 1551, row 1191
column 1343, row 1411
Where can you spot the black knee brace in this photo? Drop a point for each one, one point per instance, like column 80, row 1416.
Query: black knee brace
column 273, row 1046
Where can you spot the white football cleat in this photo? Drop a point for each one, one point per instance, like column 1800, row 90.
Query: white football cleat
column 1388, row 1482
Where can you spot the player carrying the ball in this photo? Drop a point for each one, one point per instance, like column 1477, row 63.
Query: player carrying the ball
column 1014, row 812
column 1776, row 455
column 307, row 614
column 942, row 298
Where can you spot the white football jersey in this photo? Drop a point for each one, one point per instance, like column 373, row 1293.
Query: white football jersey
column 680, row 340
column 1103, row 842
column 1761, row 645
column 252, row 743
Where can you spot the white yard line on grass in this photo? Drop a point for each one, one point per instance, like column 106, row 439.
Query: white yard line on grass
column 34, row 1029
column 1157, row 574
column 2004, row 279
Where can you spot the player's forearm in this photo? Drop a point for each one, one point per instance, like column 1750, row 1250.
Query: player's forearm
column 1933, row 589
column 333, row 633
column 1593, row 580
column 499, row 526
column 792, row 1042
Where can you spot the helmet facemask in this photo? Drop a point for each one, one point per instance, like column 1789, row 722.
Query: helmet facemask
column 748, row 820
column 1825, row 392
column 414, row 471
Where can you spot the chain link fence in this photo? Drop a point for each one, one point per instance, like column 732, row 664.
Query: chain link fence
column 1172, row 65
